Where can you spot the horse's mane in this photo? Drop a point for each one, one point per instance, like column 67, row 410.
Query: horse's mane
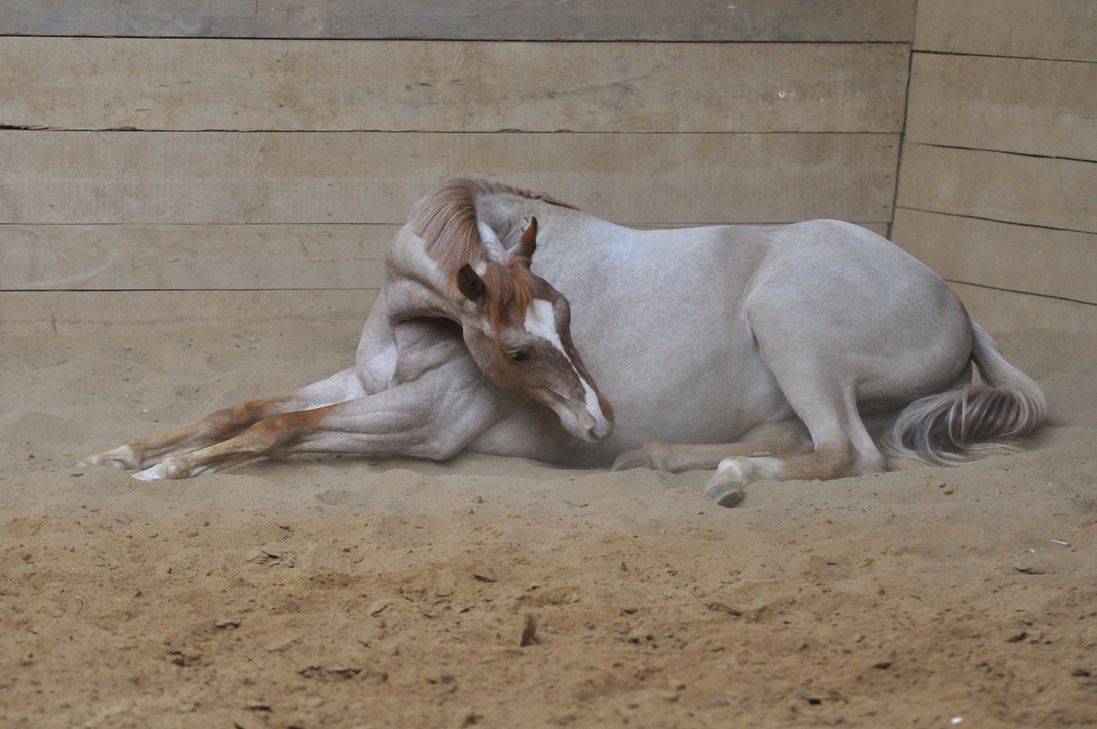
column 446, row 221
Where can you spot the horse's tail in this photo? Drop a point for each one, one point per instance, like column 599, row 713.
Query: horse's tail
column 950, row 427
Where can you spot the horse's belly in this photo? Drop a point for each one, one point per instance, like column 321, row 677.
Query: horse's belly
column 714, row 399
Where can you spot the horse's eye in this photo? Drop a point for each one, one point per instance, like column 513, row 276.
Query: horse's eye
column 518, row 355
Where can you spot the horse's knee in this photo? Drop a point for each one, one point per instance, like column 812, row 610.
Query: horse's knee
column 268, row 436
column 227, row 421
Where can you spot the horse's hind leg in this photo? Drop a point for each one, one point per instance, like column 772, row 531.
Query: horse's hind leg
column 223, row 424
column 784, row 438
column 842, row 444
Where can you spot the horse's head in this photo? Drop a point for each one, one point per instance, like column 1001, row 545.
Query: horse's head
column 518, row 329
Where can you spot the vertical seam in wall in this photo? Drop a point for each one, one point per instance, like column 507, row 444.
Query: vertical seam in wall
column 903, row 126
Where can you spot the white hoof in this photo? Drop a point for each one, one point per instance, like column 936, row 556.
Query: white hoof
column 725, row 494
column 149, row 474
column 169, row 468
column 726, row 485
column 733, row 474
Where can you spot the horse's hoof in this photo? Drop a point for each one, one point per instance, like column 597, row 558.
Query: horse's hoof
column 149, row 474
column 122, row 457
column 632, row 459
column 725, row 494
column 169, row 468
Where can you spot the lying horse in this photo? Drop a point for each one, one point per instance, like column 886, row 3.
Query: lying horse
column 762, row 346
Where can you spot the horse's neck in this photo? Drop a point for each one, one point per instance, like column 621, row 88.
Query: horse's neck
column 416, row 297
column 414, row 284
column 402, row 299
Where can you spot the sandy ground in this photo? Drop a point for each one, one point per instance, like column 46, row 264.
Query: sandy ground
column 344, row 593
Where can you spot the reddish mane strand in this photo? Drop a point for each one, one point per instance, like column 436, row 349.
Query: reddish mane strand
column 446, row 221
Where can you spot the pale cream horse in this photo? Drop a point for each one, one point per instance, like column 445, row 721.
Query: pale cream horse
column 760, row 346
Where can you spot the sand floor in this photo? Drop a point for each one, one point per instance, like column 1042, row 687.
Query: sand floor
column 324, row 592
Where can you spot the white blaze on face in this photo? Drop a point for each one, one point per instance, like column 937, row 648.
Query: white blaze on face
column 541, row 322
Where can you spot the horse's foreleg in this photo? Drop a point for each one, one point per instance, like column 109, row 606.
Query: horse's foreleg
column 226, row 423
column 788, row 437
column 433, row 417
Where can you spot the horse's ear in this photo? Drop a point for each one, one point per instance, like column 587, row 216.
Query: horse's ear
column 471, row 285
column 528, row 244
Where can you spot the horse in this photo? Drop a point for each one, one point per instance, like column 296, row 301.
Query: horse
column 765, row 352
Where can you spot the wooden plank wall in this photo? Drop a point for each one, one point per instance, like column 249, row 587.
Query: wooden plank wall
column 998, row 182
column 223, row 161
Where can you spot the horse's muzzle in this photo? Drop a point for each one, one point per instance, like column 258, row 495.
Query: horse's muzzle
column 596, row 428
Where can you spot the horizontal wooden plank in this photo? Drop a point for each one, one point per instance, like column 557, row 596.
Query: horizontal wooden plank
column 1033, row 260
column 179, row 84
column 58, row 312
column 125, row 257
column 684, row 20
column 1000, row 312
column 64, row 311
column 1063, row 29
column 161, row 257
column 1054, row 193
column 360, row 177
column 1006, row 104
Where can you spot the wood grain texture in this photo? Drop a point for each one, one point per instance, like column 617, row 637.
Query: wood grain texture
column 61, row 311
column 219, row 177
column 1033, row 260
column 1054, row 193
column 121, row 257
column 1000, row 312
column 180, row 84
column 1013, row 230
column 1057, row 29
column 1006, row 104
column 196, row 257
column 685, row 20
column 57, row 312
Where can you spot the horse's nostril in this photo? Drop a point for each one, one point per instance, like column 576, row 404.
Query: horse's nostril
column 599, row 432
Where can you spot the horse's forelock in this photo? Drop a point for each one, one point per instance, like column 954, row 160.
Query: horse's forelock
column 510, row 291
